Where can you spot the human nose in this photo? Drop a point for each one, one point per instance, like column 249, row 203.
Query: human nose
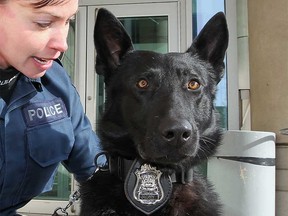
column 59, row 39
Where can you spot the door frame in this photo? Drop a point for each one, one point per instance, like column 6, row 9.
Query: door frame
column 178, row 11
column 85, row 70
column 172, row 9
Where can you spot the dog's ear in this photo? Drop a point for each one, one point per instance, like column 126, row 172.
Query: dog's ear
column 111, row 41
column 212, row 42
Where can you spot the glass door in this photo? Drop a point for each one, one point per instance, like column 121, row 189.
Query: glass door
column 63, row 184
column 151, row 27
column 159, row 25
column 147, row 33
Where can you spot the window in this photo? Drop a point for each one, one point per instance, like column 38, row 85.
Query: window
column 202, row 11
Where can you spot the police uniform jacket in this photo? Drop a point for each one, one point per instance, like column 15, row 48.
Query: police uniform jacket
column 43, row 125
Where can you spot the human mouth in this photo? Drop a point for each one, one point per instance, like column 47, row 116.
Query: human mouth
column 43, row 64
column 42, row 61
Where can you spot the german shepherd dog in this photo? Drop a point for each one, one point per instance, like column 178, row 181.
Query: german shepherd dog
column 159, row 123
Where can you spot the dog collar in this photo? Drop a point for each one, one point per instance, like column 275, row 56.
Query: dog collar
column 120, row 167
column 146, row 187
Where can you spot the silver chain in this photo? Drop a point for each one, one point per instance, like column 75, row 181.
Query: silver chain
column 72, row 199
column 76, row 195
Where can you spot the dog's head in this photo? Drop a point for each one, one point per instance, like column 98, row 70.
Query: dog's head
column 159, row 107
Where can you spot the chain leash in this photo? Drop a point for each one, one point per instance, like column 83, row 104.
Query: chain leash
column 72, row 199
column 76, row 195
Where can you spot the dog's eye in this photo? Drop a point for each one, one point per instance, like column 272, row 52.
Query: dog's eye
column 142, row 84
column 193, row 85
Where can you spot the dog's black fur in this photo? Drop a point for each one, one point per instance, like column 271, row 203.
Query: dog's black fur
column 159, row 107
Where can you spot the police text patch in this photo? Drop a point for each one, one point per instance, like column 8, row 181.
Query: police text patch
column 44, row 112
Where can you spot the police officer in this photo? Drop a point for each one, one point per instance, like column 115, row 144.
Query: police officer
column 42, row 122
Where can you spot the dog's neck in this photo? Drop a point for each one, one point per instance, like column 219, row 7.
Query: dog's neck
column 120, row 167
column 146, row 187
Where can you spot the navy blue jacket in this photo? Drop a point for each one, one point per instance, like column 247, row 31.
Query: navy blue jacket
column 43, row 125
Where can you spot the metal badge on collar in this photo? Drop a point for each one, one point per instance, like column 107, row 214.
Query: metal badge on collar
column 146, row 187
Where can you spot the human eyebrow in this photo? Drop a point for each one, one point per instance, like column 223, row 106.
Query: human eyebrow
column 46, row 19
column 57, row 16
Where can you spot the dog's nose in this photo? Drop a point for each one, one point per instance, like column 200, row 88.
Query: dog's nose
column 178, row 131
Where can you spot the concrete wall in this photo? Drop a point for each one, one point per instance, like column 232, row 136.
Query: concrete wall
column 268, row 66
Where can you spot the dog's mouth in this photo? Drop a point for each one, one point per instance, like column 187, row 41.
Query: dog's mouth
column 165, row 155
column 169, row 159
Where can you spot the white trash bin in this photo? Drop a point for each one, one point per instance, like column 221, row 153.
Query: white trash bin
column 243, row 173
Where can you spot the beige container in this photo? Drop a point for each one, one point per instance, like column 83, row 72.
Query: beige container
column 243, row 172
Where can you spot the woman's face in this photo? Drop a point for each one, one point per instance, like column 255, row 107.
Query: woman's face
column 32, row 37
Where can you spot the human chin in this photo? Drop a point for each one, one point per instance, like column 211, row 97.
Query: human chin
column 34, row 74
column 34, row 68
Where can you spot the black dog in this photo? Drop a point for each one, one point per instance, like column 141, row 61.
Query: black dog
column 159, row 123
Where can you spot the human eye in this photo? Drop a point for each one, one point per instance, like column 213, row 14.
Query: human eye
column 43, row 24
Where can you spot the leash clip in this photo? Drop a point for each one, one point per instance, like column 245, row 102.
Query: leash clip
column 72, row 199
column 63, row 212
column 101, row 161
